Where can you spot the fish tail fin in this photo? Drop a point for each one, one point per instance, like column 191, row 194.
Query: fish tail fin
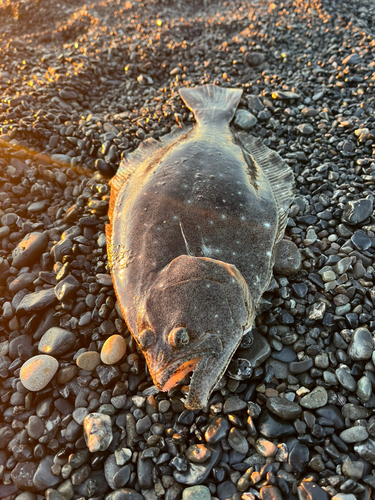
column 211, row 104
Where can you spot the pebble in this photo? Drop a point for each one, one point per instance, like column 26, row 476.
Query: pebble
column 217, row 430
column 56, row 341
column 88, row 361
column 364, row 389
column 124, row 494
column 305, row 128
column 43, row 477
column 113, row 350
column 345, row 378
column 37, row 372
column 265, row 448
column 245, row 120
column 97, row 431
column 288, row 258
column 271, row 427
column 317, row 398
column 198, row 453
column 354, row 434
column 29, row 250
column 36, row 301
column 361, row 345
column 360, row 240
column 238, row 441
column 283, row 408
column 198, row 492
column 233, row 404
column 357, row 211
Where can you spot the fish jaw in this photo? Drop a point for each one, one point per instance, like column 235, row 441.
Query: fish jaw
column 208, row 372
column 208, row 363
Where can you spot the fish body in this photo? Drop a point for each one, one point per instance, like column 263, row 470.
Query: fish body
column 194, row 224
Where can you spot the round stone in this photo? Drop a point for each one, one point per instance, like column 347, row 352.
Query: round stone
column 265, row 448
column 37, row 372
column 244, row 119
column 198, row 492
column 315, row 399
column 88, row 361
column 113, row 350
column 361, row 345
column 354, row 434
column 364, row 389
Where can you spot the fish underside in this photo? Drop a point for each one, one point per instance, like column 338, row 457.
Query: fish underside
column 195, row 220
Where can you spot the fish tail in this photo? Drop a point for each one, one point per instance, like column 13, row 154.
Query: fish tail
column 212, row 104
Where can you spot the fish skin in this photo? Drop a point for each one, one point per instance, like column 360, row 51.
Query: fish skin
column 192, row 241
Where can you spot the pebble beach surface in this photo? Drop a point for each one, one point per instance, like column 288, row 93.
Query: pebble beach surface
column 82, row 85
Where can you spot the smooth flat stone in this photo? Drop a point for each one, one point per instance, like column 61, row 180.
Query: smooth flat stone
column 56, row 341
column 88, row 361
column 283, row 408
column 361, row 345
column 29, row 250
column 354, row 434
column 38, row 371
column 113, row 350
column 315, row 399
column 36, row 301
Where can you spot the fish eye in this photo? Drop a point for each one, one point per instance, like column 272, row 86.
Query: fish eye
column 179, row 337
column 145, row 339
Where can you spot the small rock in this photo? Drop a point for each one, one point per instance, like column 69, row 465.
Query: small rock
column 237, row 441
column 113, row 350
column 66, row 288
column 361, row 345
column 217, row 430
column 56, row 341
column 88, row 361
column 283, row 408
column 233, row 404
column 29, row 250
column 97, row 431
column 360, row 240
column 357, row 211
column 198, row 492
column 36, row 301
column 288, row 258
column 265, row 448
column 244, row 119
column 38, row 371
column 315, row 399
column 198, row 453
column 305, row 128
column 345, row 378
column 354, row 434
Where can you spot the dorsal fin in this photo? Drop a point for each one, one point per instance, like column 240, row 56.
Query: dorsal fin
column 279, row 175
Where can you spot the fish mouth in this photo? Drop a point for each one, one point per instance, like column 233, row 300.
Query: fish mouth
column 173, row 372
column 208, row 361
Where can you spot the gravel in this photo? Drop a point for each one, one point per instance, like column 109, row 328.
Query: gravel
column 82, row 85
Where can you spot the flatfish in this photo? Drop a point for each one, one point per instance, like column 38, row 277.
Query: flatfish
column 195, row 220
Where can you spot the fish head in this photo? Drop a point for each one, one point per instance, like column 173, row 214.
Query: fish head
column 193, row 319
